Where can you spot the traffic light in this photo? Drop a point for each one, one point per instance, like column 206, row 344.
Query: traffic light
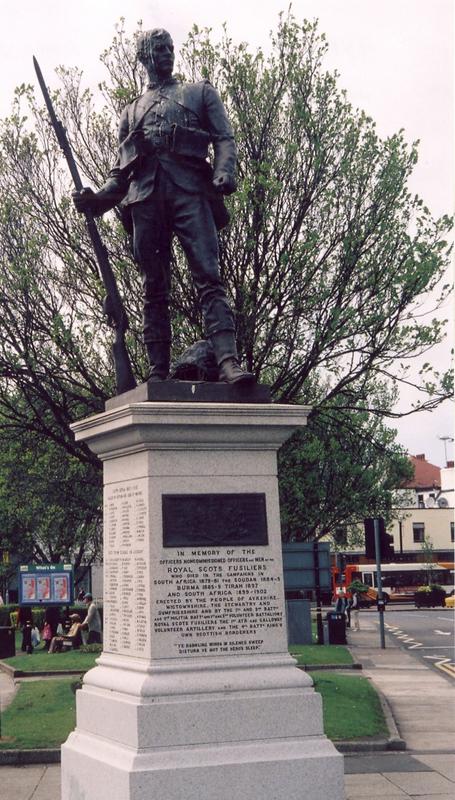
column 385, row 540
column 387, row 550
column 370, row 550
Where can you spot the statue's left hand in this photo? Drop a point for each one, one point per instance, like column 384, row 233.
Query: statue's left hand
column 224, row 183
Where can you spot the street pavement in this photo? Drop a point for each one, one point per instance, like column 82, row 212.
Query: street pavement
column 423, row 705
column 428, row 634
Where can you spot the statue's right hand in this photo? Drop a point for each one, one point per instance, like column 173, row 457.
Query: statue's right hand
column 85, row 200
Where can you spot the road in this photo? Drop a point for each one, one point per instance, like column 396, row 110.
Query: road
column 428, row 634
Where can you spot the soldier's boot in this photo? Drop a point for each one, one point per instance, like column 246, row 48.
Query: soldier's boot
column 159, row 355
column 225, row 349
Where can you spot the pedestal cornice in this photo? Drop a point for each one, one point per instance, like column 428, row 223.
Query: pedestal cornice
column 164, row 425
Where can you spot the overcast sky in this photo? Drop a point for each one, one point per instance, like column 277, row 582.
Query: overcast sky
column 395, row 59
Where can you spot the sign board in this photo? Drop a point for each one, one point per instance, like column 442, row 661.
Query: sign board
column 46, row 584
column 299, row 566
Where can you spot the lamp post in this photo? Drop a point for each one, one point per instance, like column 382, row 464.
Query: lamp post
column 445, row 439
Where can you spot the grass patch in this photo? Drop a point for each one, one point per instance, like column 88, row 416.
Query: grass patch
column 40, row 660
column 42, row 714
column 321, row 654
column 351, row 705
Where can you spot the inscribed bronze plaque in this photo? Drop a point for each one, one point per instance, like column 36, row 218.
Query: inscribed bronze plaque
column 201, row 520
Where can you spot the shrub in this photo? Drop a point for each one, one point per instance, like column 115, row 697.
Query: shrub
column 358, row 586
column 5, row 615
column 91, row 648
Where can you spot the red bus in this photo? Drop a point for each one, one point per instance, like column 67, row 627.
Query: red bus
column 399, row 581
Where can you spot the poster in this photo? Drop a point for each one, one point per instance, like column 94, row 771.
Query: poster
column 43, row 587
column 29, row 587
column 61, row 593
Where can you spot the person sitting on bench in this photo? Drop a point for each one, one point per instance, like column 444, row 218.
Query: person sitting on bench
column 71, row 639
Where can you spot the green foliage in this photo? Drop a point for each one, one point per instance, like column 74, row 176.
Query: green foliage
column 326, row 260
column 432, row 587
column 428, row 557
column 358, row 586
column 5, row 615
column 49, row 501
column 337, row 471
column 91, row 648
column 38, row 618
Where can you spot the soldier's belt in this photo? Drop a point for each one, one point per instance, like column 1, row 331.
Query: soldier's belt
column 190, row 142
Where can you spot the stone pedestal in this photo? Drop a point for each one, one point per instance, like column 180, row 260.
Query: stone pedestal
column 195, row 694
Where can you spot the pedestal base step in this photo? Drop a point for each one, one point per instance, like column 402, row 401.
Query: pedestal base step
column 94, row 769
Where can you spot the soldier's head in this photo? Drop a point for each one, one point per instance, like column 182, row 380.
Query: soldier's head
column 155, row 50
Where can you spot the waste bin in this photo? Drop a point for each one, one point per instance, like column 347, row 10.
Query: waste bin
column 336, row 624
column 7, row 642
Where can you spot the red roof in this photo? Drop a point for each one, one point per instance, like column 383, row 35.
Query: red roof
column 426, row 475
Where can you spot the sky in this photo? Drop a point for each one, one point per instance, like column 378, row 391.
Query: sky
column 395, row 60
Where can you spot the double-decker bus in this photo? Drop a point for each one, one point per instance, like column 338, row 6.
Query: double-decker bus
column 399, row 581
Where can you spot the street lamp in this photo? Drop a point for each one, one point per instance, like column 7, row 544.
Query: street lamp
column 445, row 439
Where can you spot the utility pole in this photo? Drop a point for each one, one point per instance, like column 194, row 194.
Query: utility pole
column 377, row 546
column 320, row 627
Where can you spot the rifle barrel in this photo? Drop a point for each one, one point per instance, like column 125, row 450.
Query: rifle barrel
column 124, row 373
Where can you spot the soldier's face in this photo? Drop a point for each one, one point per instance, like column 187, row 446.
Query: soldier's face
column 163, row 57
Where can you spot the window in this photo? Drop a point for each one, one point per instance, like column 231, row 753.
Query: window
column 452, row 531
column 418, row 530
column 420, row 502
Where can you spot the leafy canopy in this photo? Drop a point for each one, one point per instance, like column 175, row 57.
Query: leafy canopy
column 327, row 262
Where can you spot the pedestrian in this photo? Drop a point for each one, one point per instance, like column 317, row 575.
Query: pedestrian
column 354, row 608
column 166, row 186
column 25, row 622
column 340, row 605
column 47, row 635
column 92, row 622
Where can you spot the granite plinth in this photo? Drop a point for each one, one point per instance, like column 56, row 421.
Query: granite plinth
column 195, row 694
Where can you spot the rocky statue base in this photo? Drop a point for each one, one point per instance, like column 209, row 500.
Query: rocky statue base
column 195, row 695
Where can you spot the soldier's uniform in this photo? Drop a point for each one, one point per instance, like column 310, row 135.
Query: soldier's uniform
column 165, row 183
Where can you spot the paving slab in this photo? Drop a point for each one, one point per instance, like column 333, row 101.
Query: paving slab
column 426, row 797
column 373, row 785
column 444, row 764
column 20, row 783
column 354, row 795
column 422, row 702
column 49, row 787
column 421, row 783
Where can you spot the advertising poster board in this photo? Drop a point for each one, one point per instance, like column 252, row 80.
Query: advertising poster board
column 46, row 584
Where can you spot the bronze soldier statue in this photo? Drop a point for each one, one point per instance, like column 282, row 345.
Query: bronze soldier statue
column 163, row 180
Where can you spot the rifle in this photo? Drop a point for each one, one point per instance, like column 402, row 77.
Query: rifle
column 113, row 306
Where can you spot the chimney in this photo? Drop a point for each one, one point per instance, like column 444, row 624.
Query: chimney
column 449, row 465
column 421, row 457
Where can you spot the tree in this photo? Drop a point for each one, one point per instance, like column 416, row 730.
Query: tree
column 335, row 473
column 326, row 260
column 428, row 559
column 49, row 503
